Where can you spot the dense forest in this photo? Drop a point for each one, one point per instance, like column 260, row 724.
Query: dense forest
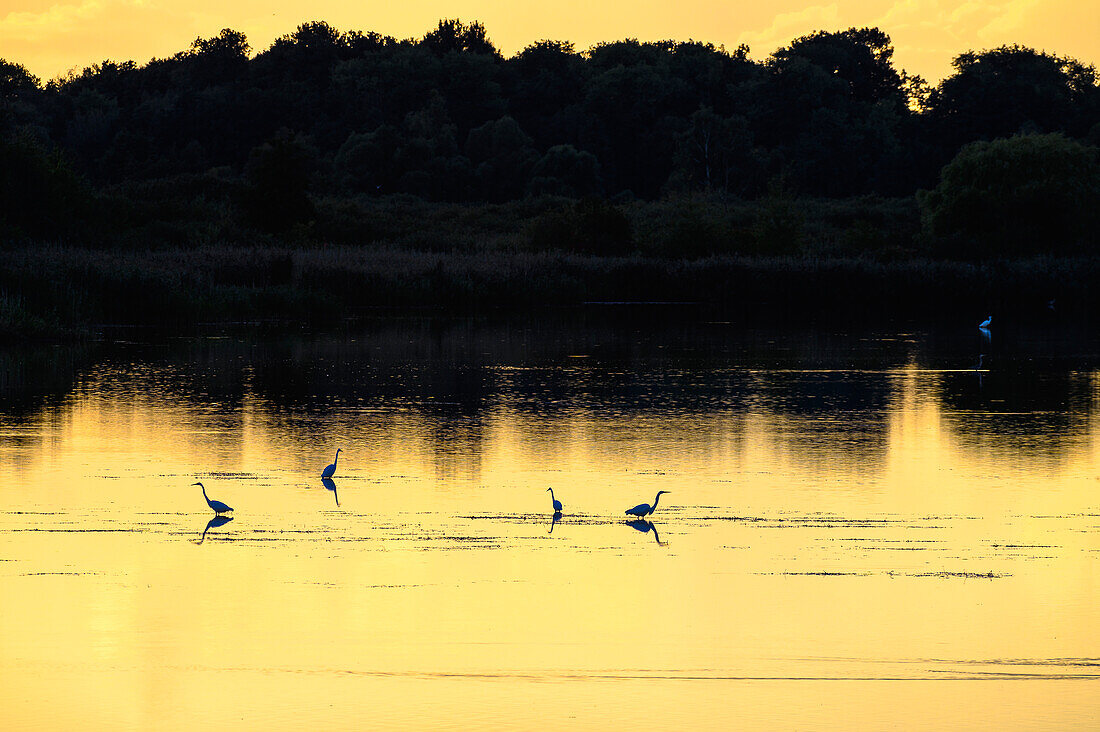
column 679, row 149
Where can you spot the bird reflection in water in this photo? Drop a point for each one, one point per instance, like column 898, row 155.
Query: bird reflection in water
column 330, row 485
column 554, row 520
column 214, row 523
column 645, row 527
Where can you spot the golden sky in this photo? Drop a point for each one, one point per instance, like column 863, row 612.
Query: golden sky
column 50, row 37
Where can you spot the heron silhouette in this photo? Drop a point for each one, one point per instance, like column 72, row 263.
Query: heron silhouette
column 330, row 470
column 644, row 509
column 218, row 506
column 986, row 323
column 555, row 502
column 978, row 366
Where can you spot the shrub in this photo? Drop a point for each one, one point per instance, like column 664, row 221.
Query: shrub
column 590, row 226
column 1029, row 194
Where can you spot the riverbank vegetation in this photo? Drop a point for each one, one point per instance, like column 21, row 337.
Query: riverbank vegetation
column 343, row 170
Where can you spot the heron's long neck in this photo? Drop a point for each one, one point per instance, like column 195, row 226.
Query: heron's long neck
column 551, row 495
column 337, row 459
column 657, row 498
column 204, row 493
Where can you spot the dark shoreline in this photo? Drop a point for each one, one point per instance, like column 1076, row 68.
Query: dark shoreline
column 58, row 293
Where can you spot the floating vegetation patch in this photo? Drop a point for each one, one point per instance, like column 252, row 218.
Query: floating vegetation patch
column 542, row 518
column 1024, row 546
column 819, row 574
column 79, row 531
column 231, row 475
column 962, row 575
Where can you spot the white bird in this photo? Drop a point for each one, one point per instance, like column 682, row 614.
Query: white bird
column 218, row 506
column 985, row 323
column 644, row 509
column 556, row 502
column 327, row 472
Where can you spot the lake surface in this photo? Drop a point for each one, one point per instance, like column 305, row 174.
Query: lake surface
column 862, row 531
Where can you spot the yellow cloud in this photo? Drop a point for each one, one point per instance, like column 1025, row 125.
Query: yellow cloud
column 1010, row 21
column 58, row 19
column 785, row 27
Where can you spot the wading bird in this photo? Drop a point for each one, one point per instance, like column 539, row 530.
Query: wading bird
column 327, row 472
column 644, row 509
column 985, row 323
column 556, row 502
column 218, row 506
column 978, row 366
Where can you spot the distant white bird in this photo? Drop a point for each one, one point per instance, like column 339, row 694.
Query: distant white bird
column 985, row 323
column 328, row 472
column 218, row 506
column 556, row 502
column 644, row 509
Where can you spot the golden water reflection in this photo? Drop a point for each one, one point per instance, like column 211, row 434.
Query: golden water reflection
column 843, row 510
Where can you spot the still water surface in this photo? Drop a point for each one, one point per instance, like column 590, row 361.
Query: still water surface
column 861, row 530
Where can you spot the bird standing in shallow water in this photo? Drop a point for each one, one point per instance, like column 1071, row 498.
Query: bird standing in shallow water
column 327, row 472
column 985, row 323
column 644, row 509
column 218, row 506
column 554, row 501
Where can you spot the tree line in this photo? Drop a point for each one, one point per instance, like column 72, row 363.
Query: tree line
column 446, row 117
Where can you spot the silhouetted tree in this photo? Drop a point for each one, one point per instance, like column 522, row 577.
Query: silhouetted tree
column 278, row 174
column 502, row 156
column 566, row 171
column 717, row 153
column 446, row 117
column 220, row 59
column 39, row 193
column 1022, row 195
column 831, row 110
column 451, row 36
column 1014, row 89
column 15, row 81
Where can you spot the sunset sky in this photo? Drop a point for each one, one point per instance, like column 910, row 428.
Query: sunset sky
column 50, row 37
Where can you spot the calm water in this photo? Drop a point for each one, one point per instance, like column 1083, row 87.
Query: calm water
column 862, row 531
